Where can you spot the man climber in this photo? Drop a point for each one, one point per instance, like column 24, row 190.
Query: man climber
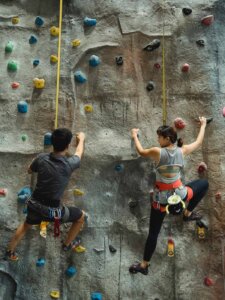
column 53, row 173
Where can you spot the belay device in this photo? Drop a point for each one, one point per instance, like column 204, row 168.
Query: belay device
column 175, row 205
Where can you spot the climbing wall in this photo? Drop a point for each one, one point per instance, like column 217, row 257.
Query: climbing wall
column 110, row 82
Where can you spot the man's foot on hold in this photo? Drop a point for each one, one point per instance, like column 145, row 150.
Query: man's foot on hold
column 75, row 243
column 135, row 268
column 11, row 255
column 193, row 217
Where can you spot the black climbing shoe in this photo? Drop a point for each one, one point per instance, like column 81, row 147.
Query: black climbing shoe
column 135, row 268
column 153, row 45
column 72, row 245
column 193, row 217
column 11, row 255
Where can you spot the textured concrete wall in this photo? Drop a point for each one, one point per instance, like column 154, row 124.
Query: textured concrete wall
column 120, row 101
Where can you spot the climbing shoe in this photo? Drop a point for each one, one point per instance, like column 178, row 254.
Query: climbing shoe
column 193, row 217
column 75, row 243
column 135, row 268
column 11, row 255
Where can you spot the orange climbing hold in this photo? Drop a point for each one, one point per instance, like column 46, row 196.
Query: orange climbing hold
column 170, row 247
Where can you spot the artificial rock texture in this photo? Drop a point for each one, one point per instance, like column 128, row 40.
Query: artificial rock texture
column 120, row 102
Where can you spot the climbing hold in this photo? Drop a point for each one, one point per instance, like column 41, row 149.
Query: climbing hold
column 3, row 192
column 218, row 195
column 187, row 11
column 170, row 248
column 224, row 111
column 39, row 83
column 12, row 65
column 185, row 68
column 119, row 168
column 53, row 58
column 75, row 43
column 119, row 60
column 71, row 271
column 9, row 47
column 89, row 21
column 24, row 137
column 99, row 250
column 22, row 106
column 40, row 262
column 179, row 123
column 80, row 77
column 23, row 194
column 153, row 45
column 43, row 229
column 208, row 281
column 32, row 40
column 15, row 20
column 48, row 139
column 36, row 62
column 15, row 85
column 202, row 167
column 150, row 86
column 39, row 21
column 55, row 294
column 200, row 43
column 201, row 227
column 209, row 120
column 208, row 20
column 96, row 296
column 157, row 66
column 112, row 249
column 54, row 31
column 132, row 203
column 79, row 249
column 77, row 192
column 94, row 61
column 88, row 108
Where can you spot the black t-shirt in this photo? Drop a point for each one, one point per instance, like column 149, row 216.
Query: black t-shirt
column 53, row 176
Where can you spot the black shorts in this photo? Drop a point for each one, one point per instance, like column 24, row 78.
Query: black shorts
column 35, row 218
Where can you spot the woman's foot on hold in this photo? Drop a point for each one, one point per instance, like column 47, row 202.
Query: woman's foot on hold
column 11, row 255
column 137, row 267
column 194, row 216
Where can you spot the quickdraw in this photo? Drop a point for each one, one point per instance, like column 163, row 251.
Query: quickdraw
column 56, row 214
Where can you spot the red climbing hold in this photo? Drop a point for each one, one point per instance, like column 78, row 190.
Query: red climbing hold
column 185, row 68
column 218, row 195
column 15, row 85
column 224, row 111
column 202, row 167
column 3, row 192
column 208, row 281
column 208, row 20
column 179, row 123
column 157, row 66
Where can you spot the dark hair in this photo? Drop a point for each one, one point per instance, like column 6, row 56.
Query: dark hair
column 61, row 138
column 170, row 132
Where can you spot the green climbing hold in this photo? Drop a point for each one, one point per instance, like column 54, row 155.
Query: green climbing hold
column 12, row 65
column 24, row 137
column 9, row 47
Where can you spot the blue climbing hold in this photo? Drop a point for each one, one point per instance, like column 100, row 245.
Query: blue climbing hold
column 89, row 21
column 39, row 21
column 40, row 262
column 94, row 61
column 96, row 296
column 80, row 77
column 36, row 62
column 71, row 271
column 22, row 106
column 23, row 194
column 119, row 168
column 48, row 139
column 32, row 39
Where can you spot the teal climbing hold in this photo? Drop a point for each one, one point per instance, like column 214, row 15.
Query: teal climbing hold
column 23, row 194
column 48, row 139
column 40, row 262
column 12, row 65
column 96, row 296
column 22, row 106
column 32, row 39
column 71, row 271
column 80, row 77
column 36, row 62
column 89, row 21
column 39, row 21
column 94, row 61
column 119, row 168
column 9, row 47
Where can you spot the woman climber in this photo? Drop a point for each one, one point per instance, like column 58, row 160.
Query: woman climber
column 169, row 159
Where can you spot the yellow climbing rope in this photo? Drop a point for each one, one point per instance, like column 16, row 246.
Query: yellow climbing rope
column 58, row 66
column 164, row 100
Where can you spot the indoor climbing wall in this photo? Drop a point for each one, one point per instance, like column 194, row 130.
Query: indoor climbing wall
column 111, row 80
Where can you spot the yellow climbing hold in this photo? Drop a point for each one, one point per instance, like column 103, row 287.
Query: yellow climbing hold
column 54, row 31
column 88, row 108
column 43, row 229
column 55, row 294
column 78, row 192
column 201, row 232
column 75, row 43
column 15, row 20
column 79, row 249
column 53, row 58
column 39, row 83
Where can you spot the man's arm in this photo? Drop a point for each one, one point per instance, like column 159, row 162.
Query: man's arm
column 80, row 137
